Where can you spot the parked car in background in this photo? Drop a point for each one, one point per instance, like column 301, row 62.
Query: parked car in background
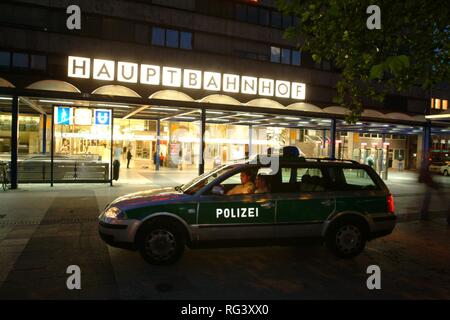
column 440, row 168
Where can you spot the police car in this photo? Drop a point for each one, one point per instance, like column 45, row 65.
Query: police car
column 340, row 203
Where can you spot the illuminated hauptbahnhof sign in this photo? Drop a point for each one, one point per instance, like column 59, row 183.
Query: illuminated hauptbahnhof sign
column 109, row 70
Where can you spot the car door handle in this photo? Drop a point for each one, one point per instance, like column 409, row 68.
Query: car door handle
column 326, row 202
column 189, row 210
column 267, row 205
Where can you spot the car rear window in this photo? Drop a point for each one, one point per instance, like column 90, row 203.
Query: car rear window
column 351, row 179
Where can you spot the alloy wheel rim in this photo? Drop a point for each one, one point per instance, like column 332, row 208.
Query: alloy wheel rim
column 160, row 244
column 348, row 238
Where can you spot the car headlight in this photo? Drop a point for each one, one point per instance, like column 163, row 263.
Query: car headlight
column 114, row 213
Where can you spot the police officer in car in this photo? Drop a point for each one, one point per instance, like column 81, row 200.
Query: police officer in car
column 247, row 186
column 261, row 184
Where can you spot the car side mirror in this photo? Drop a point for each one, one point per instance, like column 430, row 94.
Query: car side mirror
column 218, row 190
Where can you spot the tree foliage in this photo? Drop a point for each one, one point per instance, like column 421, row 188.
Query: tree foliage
column 410, row 50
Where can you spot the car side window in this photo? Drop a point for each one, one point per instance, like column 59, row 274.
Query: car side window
column 299, row 179
column 242, row 182
column 352, row 179
column 310, row 179
column 233, row 180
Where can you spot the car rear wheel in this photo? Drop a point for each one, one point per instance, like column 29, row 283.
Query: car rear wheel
column 446, row 172
column 161, row 243
column 346, row 238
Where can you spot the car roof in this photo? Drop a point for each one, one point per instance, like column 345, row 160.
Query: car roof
column 316, row 162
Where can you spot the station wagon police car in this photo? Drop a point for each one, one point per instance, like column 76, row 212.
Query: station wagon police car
column 341, row 203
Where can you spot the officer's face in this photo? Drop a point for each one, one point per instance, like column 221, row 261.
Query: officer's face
column 260, row 183
column 244, row 178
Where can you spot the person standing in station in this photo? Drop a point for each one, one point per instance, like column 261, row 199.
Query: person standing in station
column 161, row 159
column 400, row 163
column 370, row 161
column 129, row 156
column 180, row 159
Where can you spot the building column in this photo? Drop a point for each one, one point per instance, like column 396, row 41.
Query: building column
column 332, row 150
column 111, row 155
column 384, row 157
column 44, row 134
column 250, row 141
column 14, row 141
column 425, row 144
column 426, row 139
column 158, row 142
column 407, row 151
column 201, row 165
column 52, row 146
column 324, row 142
column 350, row 145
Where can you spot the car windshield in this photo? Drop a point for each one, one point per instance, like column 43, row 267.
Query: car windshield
column 204, row 179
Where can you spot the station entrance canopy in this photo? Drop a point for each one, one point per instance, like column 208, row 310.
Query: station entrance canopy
column 116, row 96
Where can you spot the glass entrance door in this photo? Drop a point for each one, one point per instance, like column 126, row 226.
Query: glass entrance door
column 82, row 144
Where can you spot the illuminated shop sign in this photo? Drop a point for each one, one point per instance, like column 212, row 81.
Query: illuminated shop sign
column 63, row 115
column 82, row 116
column 109, row 70
column 102, row 117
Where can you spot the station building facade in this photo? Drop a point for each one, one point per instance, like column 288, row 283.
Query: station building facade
column 183, row 85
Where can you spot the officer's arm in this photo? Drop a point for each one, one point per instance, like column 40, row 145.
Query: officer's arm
column 231, row 192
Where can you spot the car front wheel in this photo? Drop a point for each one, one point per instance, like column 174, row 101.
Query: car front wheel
column 161, row 243
column 446, row 173
column 346, row 238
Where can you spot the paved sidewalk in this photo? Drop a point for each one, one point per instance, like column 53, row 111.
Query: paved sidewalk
column 57, row 243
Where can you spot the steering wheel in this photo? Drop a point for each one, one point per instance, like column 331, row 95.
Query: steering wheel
column 218, row 189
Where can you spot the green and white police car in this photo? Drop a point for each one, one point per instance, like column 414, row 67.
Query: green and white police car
column 342, row 203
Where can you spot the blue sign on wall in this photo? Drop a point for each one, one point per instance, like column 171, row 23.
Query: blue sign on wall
column 102, row 117
column 63, row 115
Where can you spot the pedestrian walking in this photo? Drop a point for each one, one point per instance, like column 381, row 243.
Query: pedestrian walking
column 432, row 186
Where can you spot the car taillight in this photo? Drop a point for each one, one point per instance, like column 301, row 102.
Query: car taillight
column 390, row 204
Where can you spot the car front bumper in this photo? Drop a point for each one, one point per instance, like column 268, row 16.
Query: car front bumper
column 119, row 233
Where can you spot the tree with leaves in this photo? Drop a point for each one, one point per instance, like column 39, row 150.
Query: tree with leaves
column 410, row 50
